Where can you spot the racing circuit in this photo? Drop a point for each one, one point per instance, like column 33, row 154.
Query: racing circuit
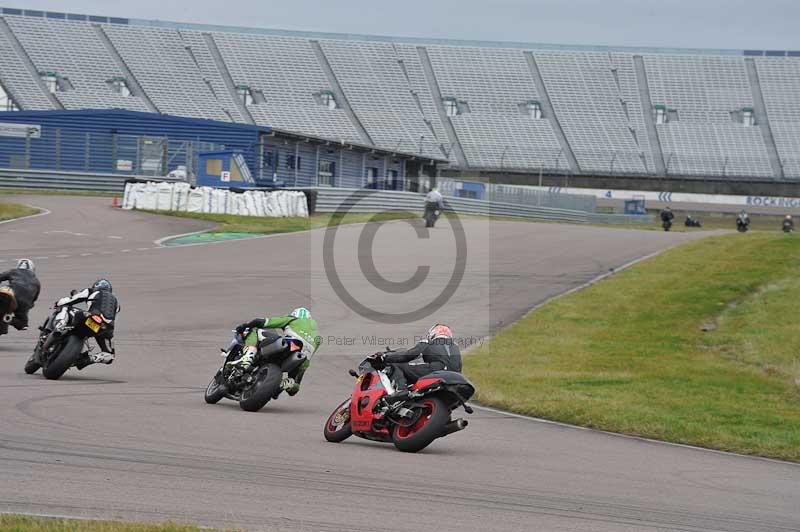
column 135, row 440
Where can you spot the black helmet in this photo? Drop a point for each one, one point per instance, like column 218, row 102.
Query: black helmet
column 102, row 284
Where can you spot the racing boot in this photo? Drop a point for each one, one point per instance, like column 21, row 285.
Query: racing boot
column 290, row 386
column 247, row 358
column 87, row 359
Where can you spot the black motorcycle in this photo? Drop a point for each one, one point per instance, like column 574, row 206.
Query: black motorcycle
column 692, row 222
column 64, row 338
column 742, row 224
column 432, row 213
column 8, row 304
column 788, row 227
column 666, row 224
column 254, row 386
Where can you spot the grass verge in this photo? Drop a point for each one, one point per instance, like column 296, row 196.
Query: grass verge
column 21, row 523
column 9, row 211
column 263, row 225
column 698, row 345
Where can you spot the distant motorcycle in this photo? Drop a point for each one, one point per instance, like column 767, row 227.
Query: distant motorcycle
column 667, row 225
column 60, row 347
column 742, row 223
column 788, row 226
column 255, row 386
column 692, row 222
column 432, row 213
column 414, row 417
column 8, row 304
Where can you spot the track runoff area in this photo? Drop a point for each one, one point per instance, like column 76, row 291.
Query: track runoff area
column 135, row 441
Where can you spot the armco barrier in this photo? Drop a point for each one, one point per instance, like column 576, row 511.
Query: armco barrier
column 50, row 180
column 364, row 200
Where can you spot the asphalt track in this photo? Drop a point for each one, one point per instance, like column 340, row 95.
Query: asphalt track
column 135, row 440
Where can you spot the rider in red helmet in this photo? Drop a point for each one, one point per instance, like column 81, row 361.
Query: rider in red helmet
column 438, row 351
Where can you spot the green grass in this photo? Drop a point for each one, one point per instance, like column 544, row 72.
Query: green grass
column 9, row 211
column 19, row 523
column 264, row 225
column 629, row 353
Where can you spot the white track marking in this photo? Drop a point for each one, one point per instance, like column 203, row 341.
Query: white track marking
column 42, row 212
column 114, row 237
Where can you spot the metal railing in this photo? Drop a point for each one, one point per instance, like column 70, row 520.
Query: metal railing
column 75, row 181
column 330, row 200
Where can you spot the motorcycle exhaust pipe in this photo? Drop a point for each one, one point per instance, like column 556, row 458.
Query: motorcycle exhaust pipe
column 455, row 426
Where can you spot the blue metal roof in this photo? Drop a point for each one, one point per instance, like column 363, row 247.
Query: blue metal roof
column 110, row 117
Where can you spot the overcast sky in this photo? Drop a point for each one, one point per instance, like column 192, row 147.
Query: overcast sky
column 737, row 24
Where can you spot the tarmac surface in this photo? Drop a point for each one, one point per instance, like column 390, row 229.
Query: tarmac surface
column 135, row 440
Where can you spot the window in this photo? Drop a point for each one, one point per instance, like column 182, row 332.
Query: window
column 50, row 81
column 293, row 162
column 372, row 177
column 326, row 98
column 119, row 86
column 327, row 169
column 534, row 109
column 213, row 167
column 661, row 114
column 450, row 106
column 748, row 118
column 244, row 94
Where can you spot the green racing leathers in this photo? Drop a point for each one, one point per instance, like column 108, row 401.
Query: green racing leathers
column 303, row 329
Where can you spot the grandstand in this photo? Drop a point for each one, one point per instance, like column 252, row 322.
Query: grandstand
column 511, row 107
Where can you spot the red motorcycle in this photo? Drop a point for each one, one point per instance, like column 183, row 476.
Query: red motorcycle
column 411, row 418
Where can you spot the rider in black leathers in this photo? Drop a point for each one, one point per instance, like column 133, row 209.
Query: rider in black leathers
column 99, row 298
column 438, row 352
column 26, row 288
column 667, row 214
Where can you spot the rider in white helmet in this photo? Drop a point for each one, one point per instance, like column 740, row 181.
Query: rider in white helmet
column 298, row 325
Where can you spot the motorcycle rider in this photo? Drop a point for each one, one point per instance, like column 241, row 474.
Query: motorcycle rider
column 438, row 351
column 667, row 215
column 99, row 298
column 298, row 325
column 434, row 200
column 788, row 223
column 26, row 286
column 743, row 219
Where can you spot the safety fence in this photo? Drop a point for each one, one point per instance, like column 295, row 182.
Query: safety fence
column 181, row 197
column 362, row 200
column 518, row 194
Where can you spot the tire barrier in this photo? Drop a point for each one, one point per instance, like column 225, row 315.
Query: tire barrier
column 164, row 196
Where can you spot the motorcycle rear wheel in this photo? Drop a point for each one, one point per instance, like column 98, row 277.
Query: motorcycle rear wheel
column 431, row 425
column 260, row 392
column 338, row 433
column 65, row 359
column 215, row 391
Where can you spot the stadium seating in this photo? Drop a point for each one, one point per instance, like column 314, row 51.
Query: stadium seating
column 563, row 110
column 600, row 113
column 780, row 85
column 288, row 73
column 73, row 50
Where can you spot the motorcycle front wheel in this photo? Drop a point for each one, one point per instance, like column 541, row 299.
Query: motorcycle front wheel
column 215, row 391
column 337, row 427
column 258, row 394
column 65, row 359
